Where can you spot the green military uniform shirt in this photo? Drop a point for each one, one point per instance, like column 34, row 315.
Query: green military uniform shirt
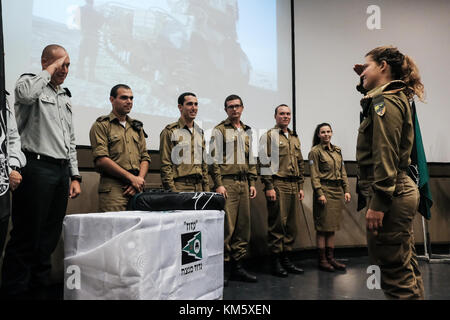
column 327, row 164
column 188, row 148
column 290, row 159
column 385, row 141
column 126, row 146
column 238, row 162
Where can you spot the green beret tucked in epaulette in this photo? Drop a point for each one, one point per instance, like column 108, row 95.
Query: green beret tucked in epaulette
column 68, row 92
column 102, row 118
column 337, row 149
column 172, row 125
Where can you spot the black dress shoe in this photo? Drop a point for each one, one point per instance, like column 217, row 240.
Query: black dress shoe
column 289, row 266
column 240, row 274
column 277, row 269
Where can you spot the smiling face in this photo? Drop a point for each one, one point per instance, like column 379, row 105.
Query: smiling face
column 283, row 117
column 325, row 134
column 123, row 102
column 373, row 73
column 189, row 108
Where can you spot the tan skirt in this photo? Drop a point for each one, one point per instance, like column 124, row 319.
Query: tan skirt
column 328, row 217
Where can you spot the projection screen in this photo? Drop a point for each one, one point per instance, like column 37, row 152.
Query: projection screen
column 331, row 36
column 160, row 48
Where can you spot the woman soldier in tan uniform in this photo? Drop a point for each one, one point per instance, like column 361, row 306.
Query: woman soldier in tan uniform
column 385, row 139
column 330, row 185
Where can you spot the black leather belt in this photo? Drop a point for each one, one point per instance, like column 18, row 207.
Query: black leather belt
column 287, row 179
column 189, row 179
column 134, row 172
column 237, row 177
column 40, row 157
column 332, row 183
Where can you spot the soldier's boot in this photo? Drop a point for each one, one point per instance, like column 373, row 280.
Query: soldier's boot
column 240, row 274
column 288, row 265
column 226, row 273
column 323, row 262
column 332, row 260
column 277, row 269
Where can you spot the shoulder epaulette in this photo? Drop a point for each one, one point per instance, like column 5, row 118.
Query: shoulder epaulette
column 172, row 125
column 102, row 118
column 7, row 93
column 28, row 74
column 68, row 92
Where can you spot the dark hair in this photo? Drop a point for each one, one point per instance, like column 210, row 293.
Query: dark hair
column 47, row 53
column 402, row 68
column 281, row 105
column 232, row 97
column 114, row 89
column 316, row 139
column 183, row 95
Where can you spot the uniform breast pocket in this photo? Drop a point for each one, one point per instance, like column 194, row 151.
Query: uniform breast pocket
column 283, row 148
column 324, row 166
column 115, row 146
column 49, row 106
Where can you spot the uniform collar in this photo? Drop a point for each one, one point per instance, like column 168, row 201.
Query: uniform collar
column 112, row 116
column 397, row 85
column 182, row 125
column 291, row 133
column 325, row 147
column 228, row 123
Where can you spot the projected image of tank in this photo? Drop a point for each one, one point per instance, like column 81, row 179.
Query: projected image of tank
column 170, row 48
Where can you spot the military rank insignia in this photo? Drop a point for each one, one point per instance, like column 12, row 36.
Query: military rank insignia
column 380, row 108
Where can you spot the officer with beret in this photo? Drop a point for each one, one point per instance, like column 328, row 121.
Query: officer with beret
column 120, row 152
column 283, row 189
column 389, row 80
column 182, row 150
column 234, row 175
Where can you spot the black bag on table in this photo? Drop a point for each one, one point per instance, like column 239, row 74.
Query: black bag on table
column 158, row 200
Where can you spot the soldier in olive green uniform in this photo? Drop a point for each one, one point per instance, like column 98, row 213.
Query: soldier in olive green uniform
column 182, row 146
column 234, row 175
column 283, row 181
column 386, row 134
column 120, row 152
column 330, row 185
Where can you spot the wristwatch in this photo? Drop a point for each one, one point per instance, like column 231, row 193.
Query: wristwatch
column 78, row 178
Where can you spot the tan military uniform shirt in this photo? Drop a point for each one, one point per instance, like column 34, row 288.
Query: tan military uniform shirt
column 126, row 146
column 326, row 164
column 187, row 148
column 239, row 159
column 290, row 159
column 385, row 141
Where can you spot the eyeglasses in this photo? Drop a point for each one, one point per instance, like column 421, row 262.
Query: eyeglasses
column 235, row 106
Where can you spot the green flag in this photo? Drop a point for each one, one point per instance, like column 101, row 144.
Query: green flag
column 418, row 169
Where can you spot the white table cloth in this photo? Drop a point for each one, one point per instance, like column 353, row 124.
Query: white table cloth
column 144, row 255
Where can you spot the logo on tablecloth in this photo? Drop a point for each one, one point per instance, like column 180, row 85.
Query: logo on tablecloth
column 191, row 244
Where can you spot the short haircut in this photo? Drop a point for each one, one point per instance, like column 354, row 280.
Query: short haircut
column 232, row 97
column 47, row 53
column 114, row 89
column 281, row 105
column 183, row 95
